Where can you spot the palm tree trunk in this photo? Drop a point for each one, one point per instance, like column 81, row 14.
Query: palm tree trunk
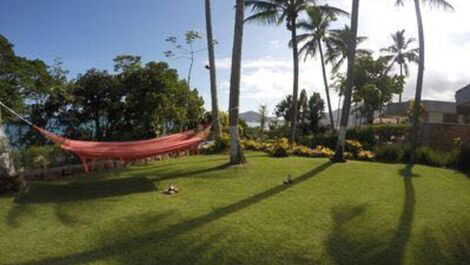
column 419, row 88
column 210, row 47
column 352, row 43
column 295, row 54
column 327, row 89
column 7, row 166
column 339, row 110
column 236, row 154
column 401, row 75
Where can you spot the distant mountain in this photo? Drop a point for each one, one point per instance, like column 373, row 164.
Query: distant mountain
column 250, row 116
column 253, row 118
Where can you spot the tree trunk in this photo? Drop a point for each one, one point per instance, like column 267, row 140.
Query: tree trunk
column 415, row 126
column 97, row 127
column 190, row 66
column 401, row 75
column 7, row 166
column 295, row 54
column 212, row 69
column 236, row 153
column 327, row 89
column 352, row 43
column 339, row 111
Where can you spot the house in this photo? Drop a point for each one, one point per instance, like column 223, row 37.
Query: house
column 444, row 123
column 434, row 112
column 462, row 98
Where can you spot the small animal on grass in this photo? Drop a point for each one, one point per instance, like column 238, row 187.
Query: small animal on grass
column 172, row 189
column 288, row 180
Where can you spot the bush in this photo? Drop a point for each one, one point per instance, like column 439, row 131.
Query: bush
column 427, row 156
column 322, row 151
column 389, row 153
column 300, row 150
column 373, row 135
column 44, row 156
column 463, row 159
column 353, row 147
column 365, row 155
column 218, row 146
column 9, row 185
column 280, row 149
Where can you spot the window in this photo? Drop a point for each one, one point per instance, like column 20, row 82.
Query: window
column 450, row 118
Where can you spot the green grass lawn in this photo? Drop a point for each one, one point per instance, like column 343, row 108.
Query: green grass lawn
column 354, row 213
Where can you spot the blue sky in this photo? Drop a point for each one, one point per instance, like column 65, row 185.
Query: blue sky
column 89, row 33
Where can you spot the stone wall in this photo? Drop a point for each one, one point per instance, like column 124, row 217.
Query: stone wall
column 443, row 135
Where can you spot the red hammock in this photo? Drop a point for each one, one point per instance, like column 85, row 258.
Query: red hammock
column 126, row 151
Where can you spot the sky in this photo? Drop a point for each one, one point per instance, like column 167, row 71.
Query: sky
column 89, row 34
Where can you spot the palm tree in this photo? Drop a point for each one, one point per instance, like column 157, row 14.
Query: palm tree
column 351, row 51
column 278, row 12
column 236, row 153
column 400, row 54
column 419, row 82
column 337, row 47
column 337, row 53
column 212, row 69
column 319, row 19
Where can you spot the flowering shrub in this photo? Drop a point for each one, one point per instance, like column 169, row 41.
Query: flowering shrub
column 300, row 150
column 281, row 148
column 348, row 155
column 353, row 147
column 322, row 151
column 366, row 156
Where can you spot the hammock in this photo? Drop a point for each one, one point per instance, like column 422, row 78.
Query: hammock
column 124, row 151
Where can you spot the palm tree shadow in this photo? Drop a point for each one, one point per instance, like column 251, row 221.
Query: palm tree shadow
column 115, row 249
column 175, row 174
column 346, row 248
column 82, row 191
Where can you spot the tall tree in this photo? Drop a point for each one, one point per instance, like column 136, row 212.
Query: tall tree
column 337, row 53
column 373, row 86
column 212, row 70
column 186, row 52
column 263, row 111
column 236, row 153
column 399, row 53
column 278, row 12
column 351, row 50
column 316, row 108
column 317, row 27
column 415, row 124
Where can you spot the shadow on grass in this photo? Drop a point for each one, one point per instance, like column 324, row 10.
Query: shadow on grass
column 456, row 250
column 133, row 243
column 173, row 174
column 346, row 247
column 61, row 193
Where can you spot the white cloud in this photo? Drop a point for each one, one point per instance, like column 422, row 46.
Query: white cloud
column 267, row 66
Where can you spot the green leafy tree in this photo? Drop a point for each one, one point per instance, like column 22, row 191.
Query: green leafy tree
column 126, row 63
column 373, row 87
column 400, row 53
column 419, row 82
column 316, row 112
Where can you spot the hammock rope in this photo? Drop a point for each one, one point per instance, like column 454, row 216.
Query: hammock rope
column 90, row 151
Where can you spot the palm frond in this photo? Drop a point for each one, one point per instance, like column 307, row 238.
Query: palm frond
column 440, row 3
